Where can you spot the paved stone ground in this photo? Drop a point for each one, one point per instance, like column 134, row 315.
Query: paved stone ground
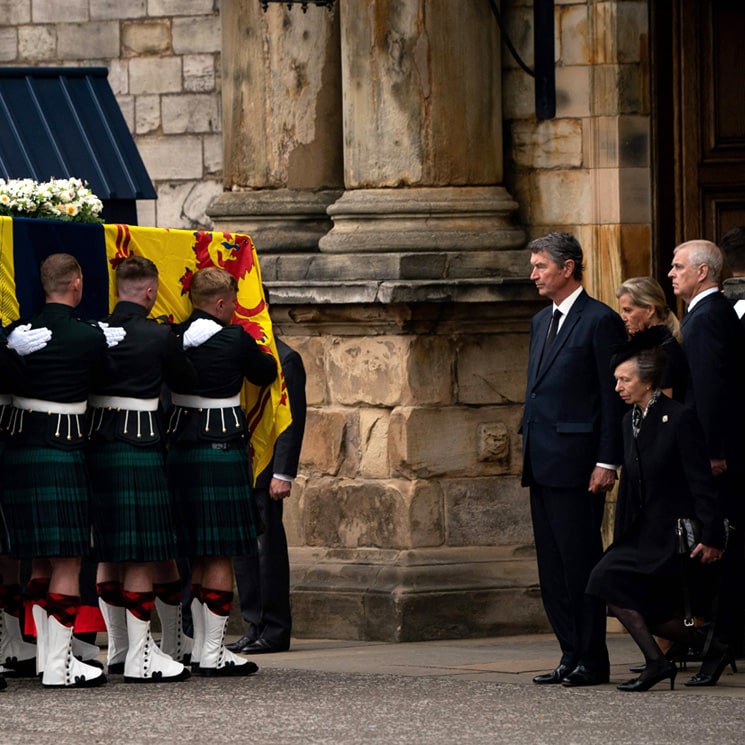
column 469, row 691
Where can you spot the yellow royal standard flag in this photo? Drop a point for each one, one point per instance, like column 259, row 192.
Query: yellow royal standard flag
column 178, row 254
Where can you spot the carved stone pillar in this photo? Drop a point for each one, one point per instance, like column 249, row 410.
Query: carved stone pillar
column 281, row 89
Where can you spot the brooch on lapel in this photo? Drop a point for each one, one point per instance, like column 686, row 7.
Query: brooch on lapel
column 664, row 417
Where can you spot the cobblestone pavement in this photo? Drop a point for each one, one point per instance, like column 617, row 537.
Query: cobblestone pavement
column 467, row 691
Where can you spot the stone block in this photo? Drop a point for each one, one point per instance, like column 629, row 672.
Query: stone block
column 632, row 31
column 491, row 369
column 37, row 43
column 199, row 73
column 147, row 114
column 170, row 204
column 151, row 76
column 140, row 38
column 573, row 91
column 559, row 197
column 487, row 512
column 212, row 151
column 553, row 143
column 15, row 12
column 195, row 35
column 374, row 443
column 109, row 10
column 573, row 39
column 177, row 157
column 518, row 95
column 146, row 213
column 355, row 513
column 429, row 442
column 312, row 350
column 519, row 28
column 127, row 107
column 325, row 438
column 633, row 141
column 367, row 370
column 86, row 41
column 618, row 89
column 119, row 76
column 635, row 189
column 197, row 201
column 429, row 371
column 60, row 11
column 8, row 44
column 190, row 113
column 180, row 7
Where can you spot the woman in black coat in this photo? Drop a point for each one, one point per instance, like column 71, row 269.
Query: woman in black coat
column 666, row 476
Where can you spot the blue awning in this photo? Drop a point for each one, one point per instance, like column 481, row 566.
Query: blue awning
column 65, row 122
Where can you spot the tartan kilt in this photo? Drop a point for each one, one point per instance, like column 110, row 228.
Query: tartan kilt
column 45, row 502
column 131, row 509
column 212, row 489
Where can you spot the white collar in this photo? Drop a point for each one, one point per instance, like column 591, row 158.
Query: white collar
column 701, row 296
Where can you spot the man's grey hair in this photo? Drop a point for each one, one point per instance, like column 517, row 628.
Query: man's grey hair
column 705, row 252
column 560, row 247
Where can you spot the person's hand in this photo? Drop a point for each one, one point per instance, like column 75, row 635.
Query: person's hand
column 707, row 554
column 200, row 331
column 602, row 480
column 113, row 334
column 279, row 489
column 718, row 466
column 24, row 340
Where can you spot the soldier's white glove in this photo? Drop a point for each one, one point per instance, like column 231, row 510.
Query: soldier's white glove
column 200, row 331
column 113, row 334
column 24, row 340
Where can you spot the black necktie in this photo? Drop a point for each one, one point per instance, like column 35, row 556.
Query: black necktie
column 552, row 329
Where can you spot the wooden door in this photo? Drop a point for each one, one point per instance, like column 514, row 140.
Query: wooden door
column 698, row 120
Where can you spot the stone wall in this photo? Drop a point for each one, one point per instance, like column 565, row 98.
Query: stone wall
column 588, row 169
column 163, row 58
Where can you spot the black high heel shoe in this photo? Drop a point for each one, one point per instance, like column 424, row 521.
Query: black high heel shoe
column 651, row 676
column 713, row 666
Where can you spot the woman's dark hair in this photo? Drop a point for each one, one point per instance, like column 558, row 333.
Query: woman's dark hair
column 646, row 347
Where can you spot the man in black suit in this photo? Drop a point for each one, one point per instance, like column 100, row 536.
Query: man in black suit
column 733, row 248
column 714, row 344
column 571, row 449
column 263, row 580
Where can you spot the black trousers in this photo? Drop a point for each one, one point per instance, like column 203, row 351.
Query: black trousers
column 263, row 580
column 566, row 527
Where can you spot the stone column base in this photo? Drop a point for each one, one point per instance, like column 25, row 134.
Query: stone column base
column 413, row 595
column 286, row 220
column 467, row 218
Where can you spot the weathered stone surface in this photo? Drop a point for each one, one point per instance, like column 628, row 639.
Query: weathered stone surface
column 554, row 143
column 60, row 11
column 145, row 37
column 367, row 371
column 104, row 10
column 381, row 514
column 170, row 204
column 324, row 443
column 198, row 34
column 200, row 195
column 151, row 76
column 180, row 7
column 491, row 369
column 573, row 91
column 429, row 442
column 312, row 350
column 14, row 12
column 487, row 512
column 374, row 443
column 199, row 73
column 574, row 48
column 37, row 43
column 193, row 113
column 8, row 44
column 212, row 145
column 84, row 41
column 147, row 114
column 172, row 157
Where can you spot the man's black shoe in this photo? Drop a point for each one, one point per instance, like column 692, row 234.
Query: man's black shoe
column 583, row 676
column 262, row 646
column 554, row 677
column 246, row 640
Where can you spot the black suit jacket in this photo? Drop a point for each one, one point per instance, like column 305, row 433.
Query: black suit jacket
column 714, row 343
column 287, row 448
column 666, row 475
column 572, row 416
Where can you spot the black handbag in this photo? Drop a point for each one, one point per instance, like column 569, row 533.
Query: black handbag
column 688, row 533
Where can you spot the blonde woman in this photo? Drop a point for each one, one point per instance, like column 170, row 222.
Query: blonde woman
column 643, row 305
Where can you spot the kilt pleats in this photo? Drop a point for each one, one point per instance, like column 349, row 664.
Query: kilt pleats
column 131, row 507
column 213, row 493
